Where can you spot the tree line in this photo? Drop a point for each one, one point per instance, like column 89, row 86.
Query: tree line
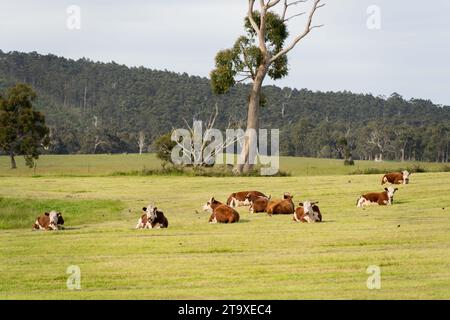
column 94, row 107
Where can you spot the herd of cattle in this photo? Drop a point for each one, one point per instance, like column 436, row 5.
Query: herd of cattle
column 307, row 211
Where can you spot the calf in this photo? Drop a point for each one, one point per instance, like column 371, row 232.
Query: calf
column 152, row 219
column 52, row 220
column 396, row 177
column 238, row 199
column 308, row 212
column 381, row 198
column 258, row 204
column 220, row 212
column 285, row 206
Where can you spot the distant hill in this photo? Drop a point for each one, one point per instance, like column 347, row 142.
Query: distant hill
column 102, row 107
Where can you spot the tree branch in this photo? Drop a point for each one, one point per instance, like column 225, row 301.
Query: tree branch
column 316, row 5
column 272, row 3
column 295, row 15
column 247, row 63
column 255, row 27
column 243, row 79
column 287, row 5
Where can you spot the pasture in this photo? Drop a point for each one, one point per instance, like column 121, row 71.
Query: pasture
column 260, row 257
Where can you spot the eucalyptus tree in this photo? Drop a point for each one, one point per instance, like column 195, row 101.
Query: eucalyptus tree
column 260, row 53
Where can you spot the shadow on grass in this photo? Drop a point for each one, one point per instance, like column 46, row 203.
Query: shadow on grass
column 73, row 228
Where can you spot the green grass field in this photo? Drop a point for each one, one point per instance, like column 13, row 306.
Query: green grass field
column 261, row 257
column 104, row 165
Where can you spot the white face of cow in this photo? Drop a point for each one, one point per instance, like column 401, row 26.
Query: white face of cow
column 406, row 175
column 207, row 205
column 311, row 215
column 53, row 215
column 151, row 212
column 390, row 191
column 307, row 207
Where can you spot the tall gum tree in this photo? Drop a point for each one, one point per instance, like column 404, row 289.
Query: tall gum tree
column 261, row 52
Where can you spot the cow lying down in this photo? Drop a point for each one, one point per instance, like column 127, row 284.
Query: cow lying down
column 239, row 199
column 284, row 206
column 308, row 212
column 152, row 219
column 396, row 177
column 220, row 213
column 52, row 220
column 381, row 198
column 257, row 203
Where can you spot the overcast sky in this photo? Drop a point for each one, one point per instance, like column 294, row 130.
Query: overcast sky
column 409, row 54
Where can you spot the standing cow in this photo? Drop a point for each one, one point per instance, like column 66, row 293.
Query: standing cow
column 52, row 220
column 220, row 213
column 152, row 219
column 285, row 206
column 396, row 177
column 381, row 198
column 308, row 212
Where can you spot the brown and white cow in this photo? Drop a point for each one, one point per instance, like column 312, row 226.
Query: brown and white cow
column 258, row 203
column 152, row 219
column 238, row 199
column 308, row 212
column 381, row 198
column 284, row 206
column 396, row 177
column 220, row 213
column 52, row 220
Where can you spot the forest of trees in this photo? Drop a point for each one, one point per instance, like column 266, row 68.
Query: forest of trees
column 110, row 108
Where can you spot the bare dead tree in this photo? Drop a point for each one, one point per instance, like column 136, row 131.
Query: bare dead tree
column 382, row 141
column 287, row 97
column 197, row 155
column 98, row 142
column 84, row 98
column 141, row 141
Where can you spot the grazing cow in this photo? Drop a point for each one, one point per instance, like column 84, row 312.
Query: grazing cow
column 220, row 212
column 238, row 199
column 52, row 220
column 381, row 198
column 152, row 219
column 308, row 212
column 285, row 206
column 258, row 204
column 396, row 177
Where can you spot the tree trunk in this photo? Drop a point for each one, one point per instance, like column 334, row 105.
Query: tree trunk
column 246, row 164
column 13, row 160
column 403, row 154
column 84, row 99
